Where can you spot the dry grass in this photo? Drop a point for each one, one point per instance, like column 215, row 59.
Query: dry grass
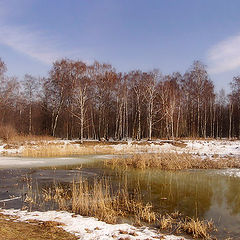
column 98, row 199
column 9, row 135
column 60, row 150
column 21, row 139
column 10, row 229
column 175, row 222
column 101, row 201
column 196, row 227
column 7, row 132
column 171, row 161
column 99, row 143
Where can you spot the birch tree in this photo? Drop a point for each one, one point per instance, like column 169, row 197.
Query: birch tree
column 136, row 83
column 81, row 93
column 235, row 98
column 30, row 86
column 151, row 81
column 60, row 85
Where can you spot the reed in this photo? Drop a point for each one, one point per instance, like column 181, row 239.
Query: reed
column 30, row 138
column 60, row 150
column 197, row 228
column 100, row 200
column 7, row 132
column 175, row 222
column 172, row 161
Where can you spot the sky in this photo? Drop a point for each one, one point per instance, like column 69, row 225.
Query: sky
column 129, row 34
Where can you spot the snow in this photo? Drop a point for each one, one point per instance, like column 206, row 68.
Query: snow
column 211, row 147
column 196, row 147
column 87, row 228
column 202, row 148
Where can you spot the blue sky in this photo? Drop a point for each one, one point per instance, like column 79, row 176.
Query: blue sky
column 129, row 34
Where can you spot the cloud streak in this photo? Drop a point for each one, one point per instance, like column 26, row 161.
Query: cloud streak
column 225, row 55
column 36, row 44
column 32, row 43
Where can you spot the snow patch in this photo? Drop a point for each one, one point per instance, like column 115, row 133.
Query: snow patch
column 87, row 228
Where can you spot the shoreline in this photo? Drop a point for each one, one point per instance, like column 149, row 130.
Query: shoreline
column 89, row 228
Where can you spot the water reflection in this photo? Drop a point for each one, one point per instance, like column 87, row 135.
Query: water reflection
column 195, row 193
column 232, row 194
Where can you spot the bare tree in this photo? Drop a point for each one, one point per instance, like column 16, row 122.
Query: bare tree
column 235, row 99
column 151, row 80
column 60, row 86
column 81, row 93
column 136, row 83
column 30, row 85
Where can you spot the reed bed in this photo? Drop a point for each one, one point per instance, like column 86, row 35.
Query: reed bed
column 29, row 138
column 171, row 161
column 98, row 198
column 60, row 150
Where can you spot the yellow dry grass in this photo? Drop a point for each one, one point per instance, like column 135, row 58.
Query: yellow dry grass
column 197, row 228
column 175, row 222
column 28, row 138
column 98, row 199
column 171, row 161
column 59, row 150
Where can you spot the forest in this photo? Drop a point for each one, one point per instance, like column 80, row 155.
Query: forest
column 94, row 101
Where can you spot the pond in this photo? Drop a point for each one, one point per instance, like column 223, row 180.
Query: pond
column 208, row 194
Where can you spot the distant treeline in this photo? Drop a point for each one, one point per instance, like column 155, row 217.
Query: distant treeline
column 95, row 101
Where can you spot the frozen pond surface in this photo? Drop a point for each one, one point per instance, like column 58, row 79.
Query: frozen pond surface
column 210, row 194
column 19, row 162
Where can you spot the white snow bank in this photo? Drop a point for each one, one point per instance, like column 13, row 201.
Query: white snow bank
column 198, row 147
column 87, row 228
column 211, row 147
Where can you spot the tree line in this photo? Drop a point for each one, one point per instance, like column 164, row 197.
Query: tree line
column 94, row 101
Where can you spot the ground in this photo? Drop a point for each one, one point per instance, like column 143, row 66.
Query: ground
column 84, row 228
column 11, row 229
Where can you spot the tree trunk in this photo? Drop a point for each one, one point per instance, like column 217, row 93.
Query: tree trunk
column 178, row 120
column 230, row 121
column 30, row 120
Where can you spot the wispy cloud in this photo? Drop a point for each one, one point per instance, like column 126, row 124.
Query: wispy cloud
column 225, row 55
column 33, row 43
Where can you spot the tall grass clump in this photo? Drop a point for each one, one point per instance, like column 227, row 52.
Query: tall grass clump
column 100, row 200
column 176, row 223
column 171, row 161
column 197, row 228
column 29, row 138
column 7, row 132
column 60, row 150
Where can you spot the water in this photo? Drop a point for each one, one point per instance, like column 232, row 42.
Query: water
column 207, row 194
